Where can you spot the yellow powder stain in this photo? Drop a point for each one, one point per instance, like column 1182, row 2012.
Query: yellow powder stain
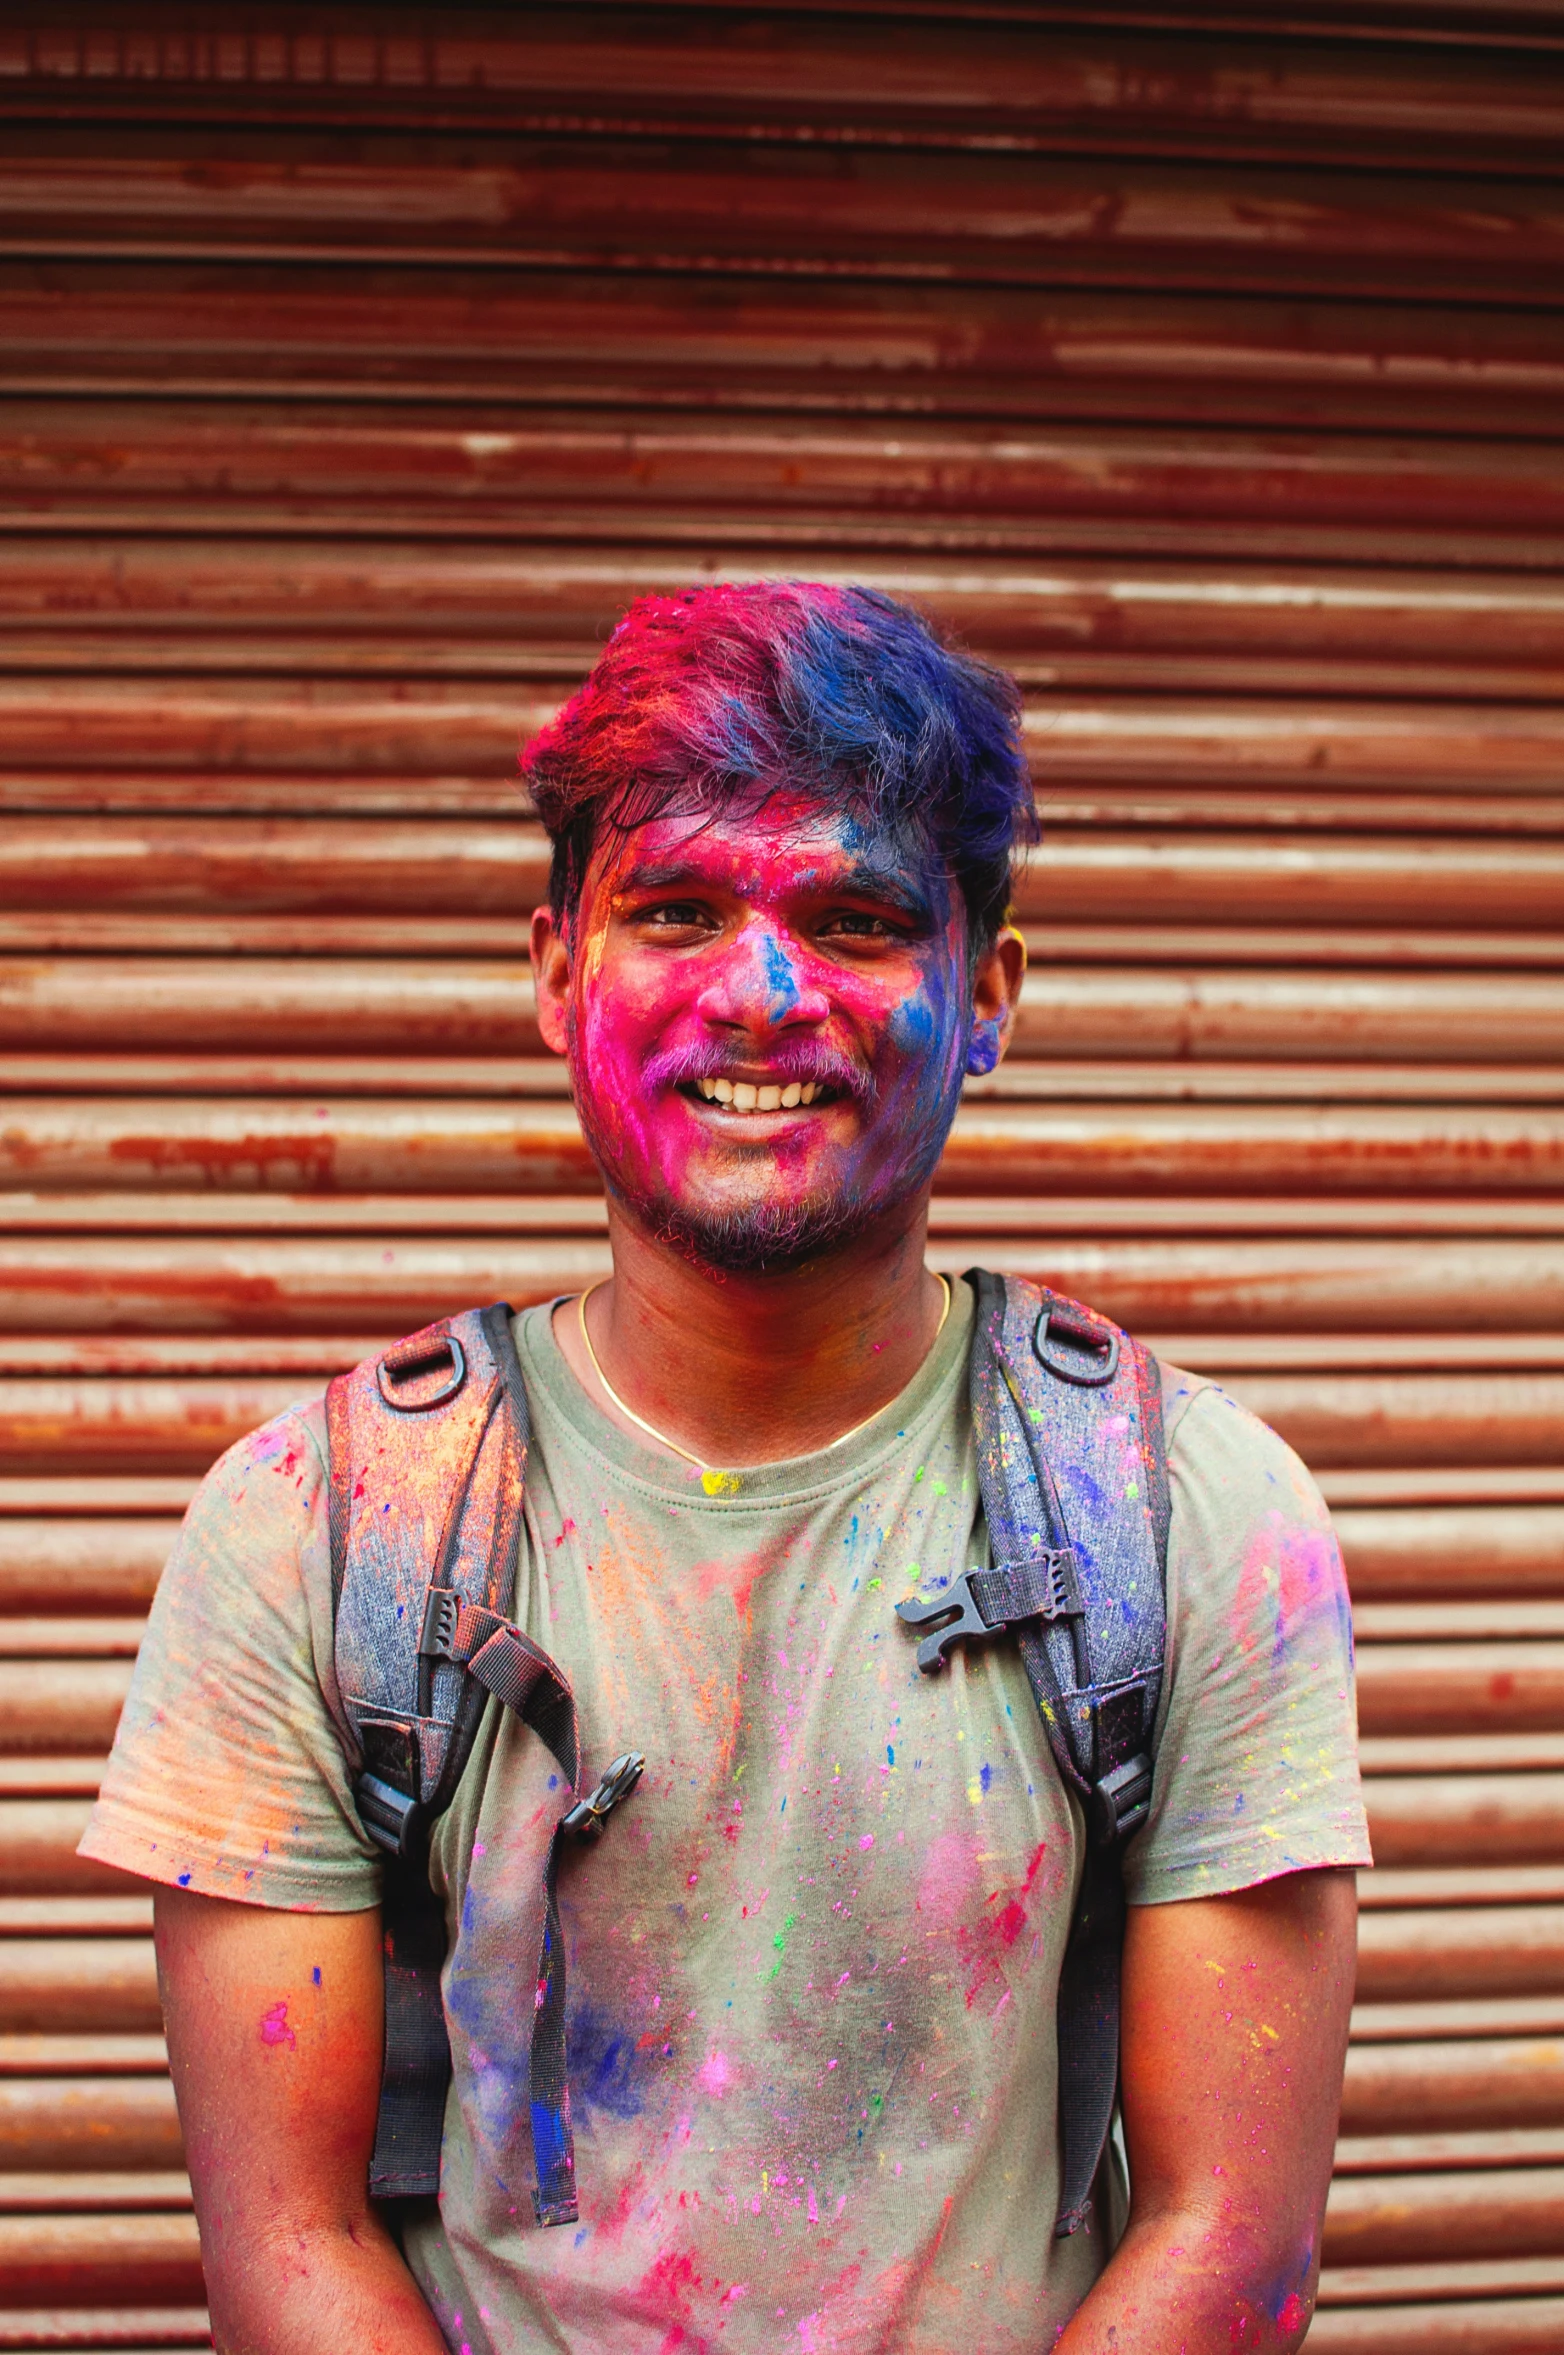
column 721, row 1483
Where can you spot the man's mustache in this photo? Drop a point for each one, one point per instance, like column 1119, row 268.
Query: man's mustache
column 802, row 1060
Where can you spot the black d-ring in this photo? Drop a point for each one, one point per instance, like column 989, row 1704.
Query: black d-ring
column 410, row 1365
column 1102, row 1342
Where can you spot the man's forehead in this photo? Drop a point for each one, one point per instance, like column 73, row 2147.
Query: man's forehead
column 784, row 845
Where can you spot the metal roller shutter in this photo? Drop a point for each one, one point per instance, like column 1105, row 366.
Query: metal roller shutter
column 1207, row 367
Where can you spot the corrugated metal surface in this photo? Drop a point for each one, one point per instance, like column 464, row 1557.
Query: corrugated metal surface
column 1208, row 367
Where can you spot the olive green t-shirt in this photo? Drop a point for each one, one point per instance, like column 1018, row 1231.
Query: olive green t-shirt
column 813, row 1962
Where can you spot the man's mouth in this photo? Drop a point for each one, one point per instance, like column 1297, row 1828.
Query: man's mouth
column 743, row 1095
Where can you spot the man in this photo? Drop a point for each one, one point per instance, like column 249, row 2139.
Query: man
column 814, row 1963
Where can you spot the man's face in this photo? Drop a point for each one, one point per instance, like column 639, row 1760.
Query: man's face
column 767, row 1023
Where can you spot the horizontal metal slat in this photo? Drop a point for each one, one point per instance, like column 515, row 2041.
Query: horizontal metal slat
column 156, row 2256
column 54, row 1635
column 1456, row 1754
column 1445, row 1550
column 77, row 2055
column 308, row 606
column 60, row 1986
column 1349, row 1028
column 130, row 2330
column 1404, row 2154
column 58, row 1705
column 54, row 1774
column 335, row 332
column 43, row 2194
column 290, row 1283
column 1394, row 2219
column 351, row 468
column 361, row 1144
column 933, row 214
column 424, row 866
column 1348, row 1419
column 38, row 1836
column 1470, row 1818
column 1492, row 2015
column 98, row 1916
column 1417, row 1688
column 765, row 80
column 105, row 1563
column 217, row 1004
column 1458, row 1621
column 982, row 1218
column 1441, row 1951
column 1392, row 2088
column 88, row 2122
column 1501, row 2329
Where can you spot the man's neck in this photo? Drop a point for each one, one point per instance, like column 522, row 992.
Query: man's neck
column 747, row 1369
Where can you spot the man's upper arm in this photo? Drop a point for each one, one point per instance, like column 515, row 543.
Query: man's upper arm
column 1234, row 2036
column 274, row 2031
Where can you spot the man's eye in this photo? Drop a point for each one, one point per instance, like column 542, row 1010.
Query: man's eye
column 676, row 915
column 857, row 924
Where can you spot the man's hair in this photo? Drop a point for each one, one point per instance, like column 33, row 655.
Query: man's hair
column 735, row 692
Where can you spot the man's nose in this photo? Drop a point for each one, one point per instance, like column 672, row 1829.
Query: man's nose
column 760, row 986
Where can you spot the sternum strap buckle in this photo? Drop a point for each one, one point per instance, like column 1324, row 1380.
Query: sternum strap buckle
column 986, row 1602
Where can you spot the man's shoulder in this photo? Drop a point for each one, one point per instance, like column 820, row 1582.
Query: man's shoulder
column 282, row 1461
column 260, row 1511
column 1214, row 1441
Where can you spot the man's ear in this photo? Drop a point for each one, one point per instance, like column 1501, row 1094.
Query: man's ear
column 551, row 978
column 996, row 987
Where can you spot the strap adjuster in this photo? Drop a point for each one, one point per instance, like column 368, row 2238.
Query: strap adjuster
column 986, row 1602
column 587, row 1818
column 1120, row 1803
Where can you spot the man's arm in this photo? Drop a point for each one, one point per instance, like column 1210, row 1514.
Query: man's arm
column 1234, row 2039
column 274, row 2034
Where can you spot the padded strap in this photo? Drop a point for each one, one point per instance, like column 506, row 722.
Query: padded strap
column 1068, row 1435
column 428, row 1451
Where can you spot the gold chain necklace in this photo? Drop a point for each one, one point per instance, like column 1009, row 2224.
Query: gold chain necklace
column 662, row 1437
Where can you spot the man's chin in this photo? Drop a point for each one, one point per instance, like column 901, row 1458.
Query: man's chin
column 760, row 1238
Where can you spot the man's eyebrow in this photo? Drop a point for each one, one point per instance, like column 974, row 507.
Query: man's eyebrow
column 862, row 880
column 661, row 875
column 866, row 881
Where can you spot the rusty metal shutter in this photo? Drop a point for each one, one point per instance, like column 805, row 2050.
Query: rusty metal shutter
column 1207, row 367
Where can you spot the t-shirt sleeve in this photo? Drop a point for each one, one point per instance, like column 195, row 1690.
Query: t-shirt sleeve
column 227, row 1774
column 1257, row 1766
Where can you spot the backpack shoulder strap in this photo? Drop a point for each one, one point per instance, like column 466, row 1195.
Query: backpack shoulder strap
column 427, row 1447
column 1067, row 1423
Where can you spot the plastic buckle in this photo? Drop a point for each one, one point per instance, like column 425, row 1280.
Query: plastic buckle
column 393, row 1821
column 587, row 1818
column 954, row 1615
column 1120, row 1803
column 409, row 1365
column 1104, row 1343
column 442, row 1608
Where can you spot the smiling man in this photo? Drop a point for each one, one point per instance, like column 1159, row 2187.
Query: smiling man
column 842, row 1969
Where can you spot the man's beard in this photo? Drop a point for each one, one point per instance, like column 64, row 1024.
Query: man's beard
column 761, row 1236
column 764, row 1238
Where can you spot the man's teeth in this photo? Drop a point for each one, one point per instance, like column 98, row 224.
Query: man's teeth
column 741, row 1095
